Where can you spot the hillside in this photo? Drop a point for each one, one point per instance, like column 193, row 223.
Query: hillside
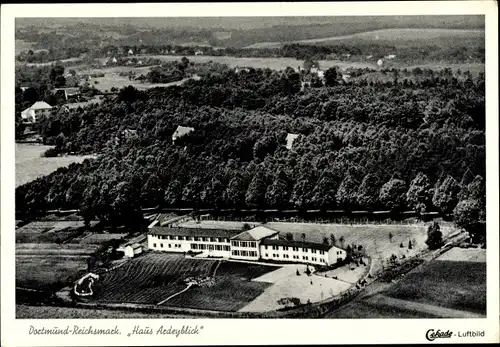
column 399, row 36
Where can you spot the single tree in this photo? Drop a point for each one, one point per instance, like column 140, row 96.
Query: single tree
column 333, row 240
column 446, row 195
column 470, row 216
column 434, row 236
column 392, row 194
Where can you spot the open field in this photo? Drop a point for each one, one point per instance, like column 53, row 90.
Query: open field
column 150, row 278
column 386, row 35
column 112, row 77
column 31, row 165
column 437, row 289
column 235, row 286
column 49, row 232
column 48, row 272
column 97, row 238
column 22, row 46
column 451, row 284
column 271, row 63
column 373, row 238
column 465, row 254
column 50, row 266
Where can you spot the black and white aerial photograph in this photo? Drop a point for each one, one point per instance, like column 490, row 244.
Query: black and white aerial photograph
column 250, row 167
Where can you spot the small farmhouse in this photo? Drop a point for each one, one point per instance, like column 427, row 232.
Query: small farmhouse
column 130, row 52
column 37, row 110
column 67, row 92
column 180, row 132
column 311, row 66
column 131, row 250
column 380, row 63
column 198, row 52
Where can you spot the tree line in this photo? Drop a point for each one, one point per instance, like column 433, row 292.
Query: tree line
column 368, row 147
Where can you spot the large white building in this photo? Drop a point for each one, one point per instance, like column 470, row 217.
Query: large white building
column 259, row 243
column 214, row 242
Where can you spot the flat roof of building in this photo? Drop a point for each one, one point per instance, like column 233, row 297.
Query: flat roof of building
column 300, row 244
column 195, row 232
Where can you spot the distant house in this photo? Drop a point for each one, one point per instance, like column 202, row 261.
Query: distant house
column 111, row 60
column 130, row 52
column 198, row 52
column 290, row 138
column 321, row 74
column 130, row 250
column 390, row 56
column 346, row 77
column 238, row 69
column 180, row 132
column 67, row 92
column 33, row 113
column 369, row 57
column 380, row 63
column 305, row 85
column 309, row 65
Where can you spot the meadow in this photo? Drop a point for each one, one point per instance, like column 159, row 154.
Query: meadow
column 394, row 36
column 440, row 288
column 49, row 267
column 263, row 63
column 31, row 165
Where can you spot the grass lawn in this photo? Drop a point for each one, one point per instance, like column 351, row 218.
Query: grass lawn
column 375, row 308
column 452, row 284
column 30, row 165
column 48, row 272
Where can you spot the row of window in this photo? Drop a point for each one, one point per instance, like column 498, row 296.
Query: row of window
column 244, row 244
column 193, row 238
column 202, row 246
column 296, row 249
column 168, row 245
column 244, row 253
column 286, row 256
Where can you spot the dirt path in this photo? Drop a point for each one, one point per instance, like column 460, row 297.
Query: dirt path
column 174, row 295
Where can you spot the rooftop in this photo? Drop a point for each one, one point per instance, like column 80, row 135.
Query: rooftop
column 182, row 130
column 311, row 245
column 289, row 140
column 203, row 232
column 40, row 105
column 255, row 234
